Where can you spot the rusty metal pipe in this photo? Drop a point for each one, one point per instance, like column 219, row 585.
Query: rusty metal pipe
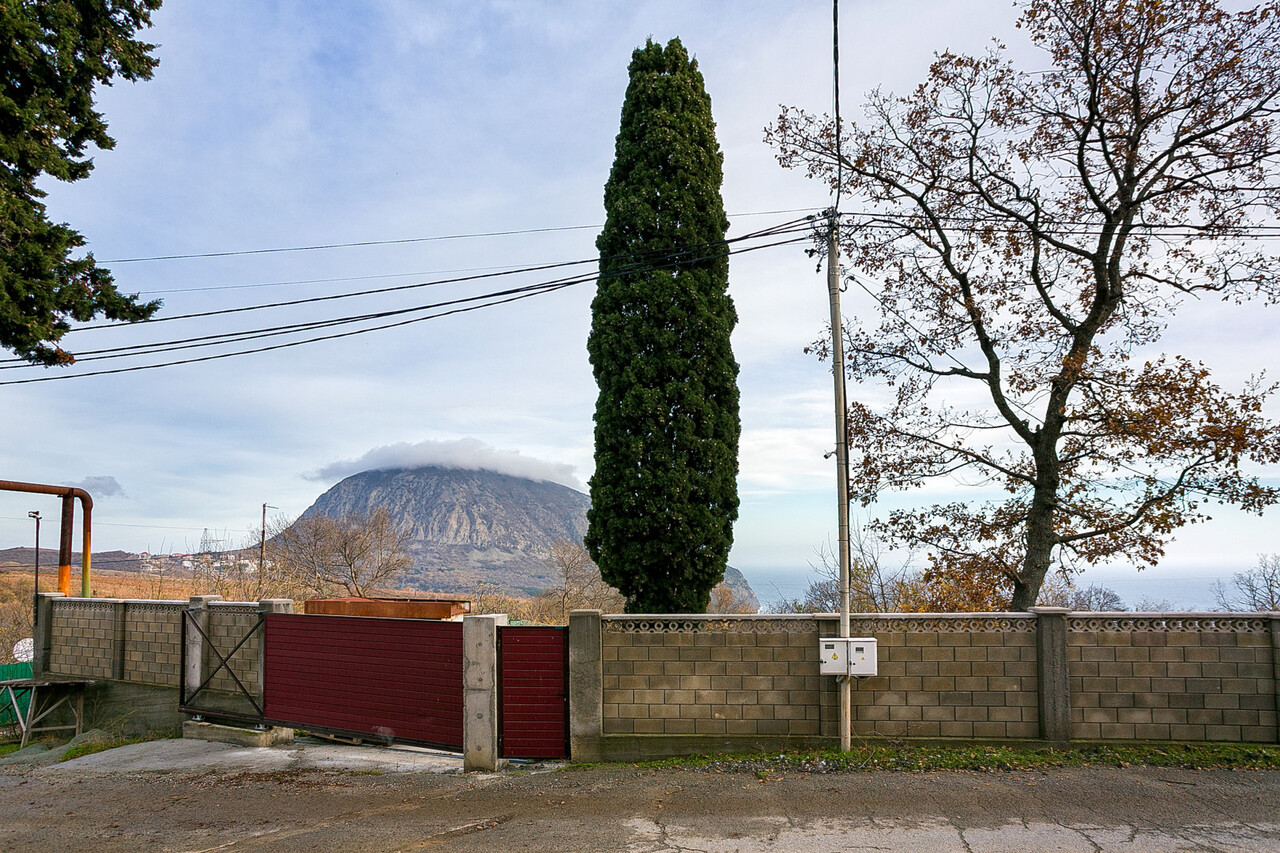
column 64, row 544
column 69, row 495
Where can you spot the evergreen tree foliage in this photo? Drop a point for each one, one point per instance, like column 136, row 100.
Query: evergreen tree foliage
column 664, row 494
column 52, row 54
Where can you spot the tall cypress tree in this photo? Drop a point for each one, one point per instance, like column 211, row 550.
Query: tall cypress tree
column 664, row 495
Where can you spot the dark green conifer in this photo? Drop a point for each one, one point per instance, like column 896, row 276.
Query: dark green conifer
column 52, row 54
column 664, row 495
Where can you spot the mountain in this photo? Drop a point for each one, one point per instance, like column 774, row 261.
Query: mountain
column 472, row 527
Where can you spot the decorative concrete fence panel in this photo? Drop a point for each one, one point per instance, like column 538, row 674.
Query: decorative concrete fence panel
column 132, row 651
column 711, row 676
column 84, row 638
column 948, row 675
column 649, row 686
column 234, row 632
column 153, row 648
column 1150, row 676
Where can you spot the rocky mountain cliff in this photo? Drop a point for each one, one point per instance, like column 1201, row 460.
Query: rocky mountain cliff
column 474, row 527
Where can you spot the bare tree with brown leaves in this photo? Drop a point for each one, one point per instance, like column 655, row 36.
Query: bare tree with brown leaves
column 579, row 584
column 354, row 554
column 1032, row 233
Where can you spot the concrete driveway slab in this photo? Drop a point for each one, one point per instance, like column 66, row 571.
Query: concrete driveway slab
column 185, row 755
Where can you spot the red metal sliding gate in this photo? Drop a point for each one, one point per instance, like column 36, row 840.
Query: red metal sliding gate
column 534, row 698
column 390, row 679
column 401, row 680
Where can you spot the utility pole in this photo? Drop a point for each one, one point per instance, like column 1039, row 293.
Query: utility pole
column 262, row 544
column 842, row 460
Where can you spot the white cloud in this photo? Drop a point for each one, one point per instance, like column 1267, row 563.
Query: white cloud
column 100, row 487
column 466, row 453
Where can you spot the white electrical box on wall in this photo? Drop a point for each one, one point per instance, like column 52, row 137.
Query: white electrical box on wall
column 863, row 656
column 834, row 653
column 847, row 656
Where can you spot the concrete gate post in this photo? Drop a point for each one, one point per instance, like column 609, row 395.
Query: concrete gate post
column 268, row 605
column 480, row 692
column 586, row 711
column 1054, row 686
column 198, row 666
column 1275, row 667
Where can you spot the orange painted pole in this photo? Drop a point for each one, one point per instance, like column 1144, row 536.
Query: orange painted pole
column 64, row 544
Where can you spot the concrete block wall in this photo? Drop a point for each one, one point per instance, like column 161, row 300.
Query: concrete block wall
column 948, row 675
column 153, row 645
column 83, row 637
column 229, row 623
column 141, row 641
column 711, row 675
column 649, row 686
column 132, row 650
column 940, row 675
column 1209, row 677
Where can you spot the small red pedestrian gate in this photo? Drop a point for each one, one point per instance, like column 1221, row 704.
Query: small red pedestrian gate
column 391, row 679
column 534, row 692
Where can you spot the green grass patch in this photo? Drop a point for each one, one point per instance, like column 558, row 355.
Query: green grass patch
column 987, row 758
column 6, row 748
column 83, row 749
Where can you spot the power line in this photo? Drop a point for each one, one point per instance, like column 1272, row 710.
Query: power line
column 272, row 331
column 792, row 226
column 402, row 241
column 352, row 245
column 657, row 260
column 888, row 220
column 677, row 258
column 288, row 282
column 349, row 295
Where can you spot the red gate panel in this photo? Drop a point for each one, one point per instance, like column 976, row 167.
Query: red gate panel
column 535, row 692
column 399, row 679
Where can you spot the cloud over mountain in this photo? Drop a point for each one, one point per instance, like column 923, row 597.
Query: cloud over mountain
column 468, row 454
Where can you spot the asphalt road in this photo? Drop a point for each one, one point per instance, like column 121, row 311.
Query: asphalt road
column 188, row 796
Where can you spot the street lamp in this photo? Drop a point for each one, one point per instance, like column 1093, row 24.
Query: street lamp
column 35, row 598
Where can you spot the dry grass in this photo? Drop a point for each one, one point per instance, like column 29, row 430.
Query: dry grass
column 17, row 586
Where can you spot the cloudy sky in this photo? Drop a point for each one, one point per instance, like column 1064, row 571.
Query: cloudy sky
column 478, row 135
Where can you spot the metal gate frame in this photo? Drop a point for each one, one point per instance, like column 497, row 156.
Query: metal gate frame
column 186, row 701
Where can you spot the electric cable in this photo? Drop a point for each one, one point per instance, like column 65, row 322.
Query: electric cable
column 786, row 227
column 677, row 257
column 517, row 294
column 395, row 242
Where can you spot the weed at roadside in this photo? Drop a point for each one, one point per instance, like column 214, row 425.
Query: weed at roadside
column 983, row 758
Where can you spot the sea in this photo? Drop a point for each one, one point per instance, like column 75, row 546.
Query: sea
column 1180, row 592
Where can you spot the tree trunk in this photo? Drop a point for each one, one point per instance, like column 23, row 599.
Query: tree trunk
column 1040, row 535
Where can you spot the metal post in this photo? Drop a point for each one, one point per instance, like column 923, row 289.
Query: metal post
column 842, row 461
column 35, row 600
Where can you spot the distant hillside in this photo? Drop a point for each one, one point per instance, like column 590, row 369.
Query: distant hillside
column 25, row 558
column 475, row 527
